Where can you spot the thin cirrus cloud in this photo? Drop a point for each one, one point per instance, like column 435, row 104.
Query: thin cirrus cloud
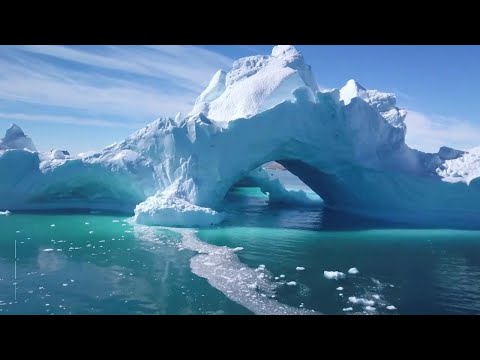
column 65, row 119
column 102, row 86
column 430, row 132
column 189, row 66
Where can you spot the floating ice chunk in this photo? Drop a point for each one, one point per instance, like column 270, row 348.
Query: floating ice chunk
column 237, row 249
column 282, row 276
column 261, row 266
column 291, row 283
column 65, row 284
column 376, row 297
column 90, row 232
column 18, row 231
column 369, row 308
column 347, row 309
column 87, row 223
column 339, row 288
column 353, row 271
column 340, row 294
column 334, row 275
column 169, row 210
column 6, row 213
column 361, row 301
column 277, row 278
column 116, row 221
column 299, row 268
column 46, row 250
column 391, row 307
column 53, row 225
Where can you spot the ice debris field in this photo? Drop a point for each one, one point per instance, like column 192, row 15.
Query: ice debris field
column 347, row 145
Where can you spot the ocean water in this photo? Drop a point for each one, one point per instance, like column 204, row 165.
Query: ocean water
column 261, row 260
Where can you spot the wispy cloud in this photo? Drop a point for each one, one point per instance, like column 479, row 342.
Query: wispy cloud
column 188, row 66
column 64, row 119
column 122, row 81
column 429, row 132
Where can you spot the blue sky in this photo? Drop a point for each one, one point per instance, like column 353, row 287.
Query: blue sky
column 84, row 98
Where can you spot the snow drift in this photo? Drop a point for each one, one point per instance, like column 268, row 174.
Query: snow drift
column 347, row 145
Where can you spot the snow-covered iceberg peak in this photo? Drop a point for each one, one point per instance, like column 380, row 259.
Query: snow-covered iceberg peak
column 384, row 103
column 255, row 84
column 214, row 89
column 15, row 138
column 352, row 89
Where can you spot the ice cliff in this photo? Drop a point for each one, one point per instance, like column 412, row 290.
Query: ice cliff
column 347, row 145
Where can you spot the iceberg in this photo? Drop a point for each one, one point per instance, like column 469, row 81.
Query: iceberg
column 348, row 145
column 15, row 138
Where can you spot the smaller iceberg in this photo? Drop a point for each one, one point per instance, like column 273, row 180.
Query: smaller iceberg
column 174, row 211
column 15, row 139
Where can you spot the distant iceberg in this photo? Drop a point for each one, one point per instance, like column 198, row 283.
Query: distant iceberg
column 347, row 145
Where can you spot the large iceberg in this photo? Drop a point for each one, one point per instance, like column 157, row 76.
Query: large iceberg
column 347, row 145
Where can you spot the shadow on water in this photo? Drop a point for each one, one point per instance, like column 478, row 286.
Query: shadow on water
column 250, row 207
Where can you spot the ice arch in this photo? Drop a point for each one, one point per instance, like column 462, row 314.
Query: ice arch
column 349, row 155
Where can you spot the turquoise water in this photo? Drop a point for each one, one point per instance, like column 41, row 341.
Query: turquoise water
column 103, row 264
